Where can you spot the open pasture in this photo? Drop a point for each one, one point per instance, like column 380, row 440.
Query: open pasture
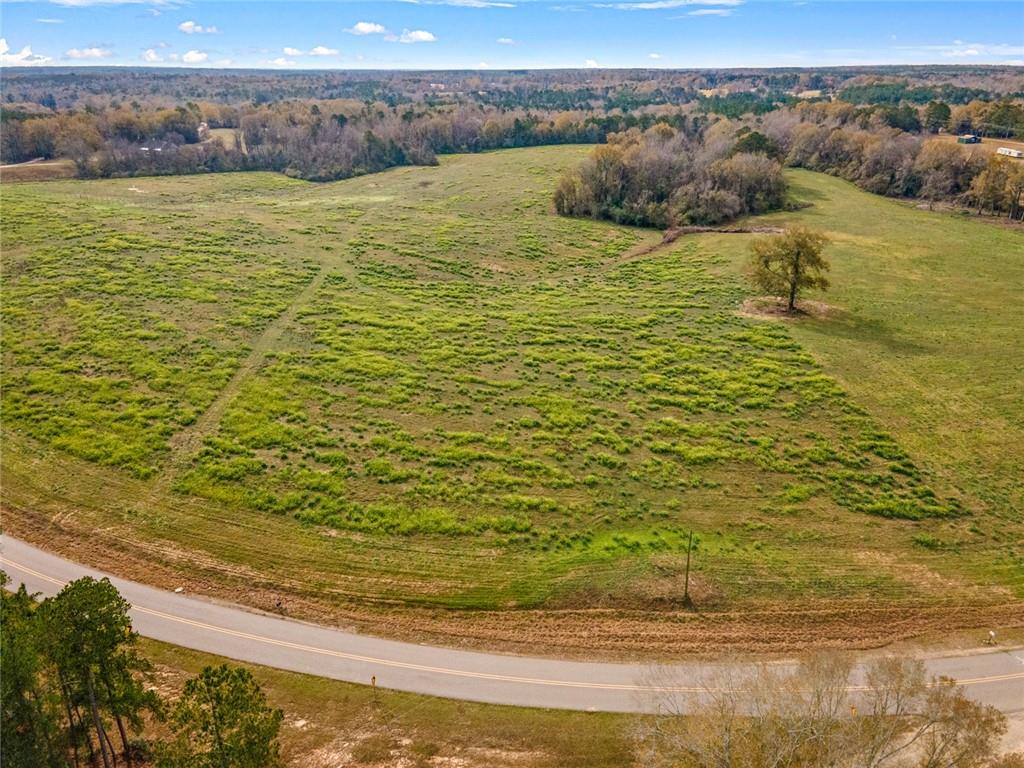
column 386, row 398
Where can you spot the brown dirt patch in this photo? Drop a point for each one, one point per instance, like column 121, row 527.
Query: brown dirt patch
column 775, row 308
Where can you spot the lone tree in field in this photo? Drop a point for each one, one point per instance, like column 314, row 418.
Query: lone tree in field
column 784, row 265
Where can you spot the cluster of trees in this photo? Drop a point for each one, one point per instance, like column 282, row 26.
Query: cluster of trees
column 707, row 173
column 666, row 177
column 883, row 92
column 74, row 691
column 1000, row 118
column 80, row 134
column 894, row 717
column 893, row 162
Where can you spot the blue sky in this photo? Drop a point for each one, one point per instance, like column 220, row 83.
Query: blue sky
column 508, row 33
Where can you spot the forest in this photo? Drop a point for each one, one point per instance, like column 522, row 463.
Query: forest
column 683, row 143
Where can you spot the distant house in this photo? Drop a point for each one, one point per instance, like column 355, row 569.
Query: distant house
column 968, row 138
column 159, row 146
column 1008, row 152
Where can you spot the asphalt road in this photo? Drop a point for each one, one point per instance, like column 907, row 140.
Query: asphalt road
column 994, row 677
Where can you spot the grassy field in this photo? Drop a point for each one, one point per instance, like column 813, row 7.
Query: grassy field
column 45, row 170
column 386, row 398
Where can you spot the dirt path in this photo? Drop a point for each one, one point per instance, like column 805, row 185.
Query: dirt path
column 185, row 443
column 670, row 236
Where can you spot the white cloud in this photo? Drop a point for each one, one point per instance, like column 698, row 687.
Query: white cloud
column 590, row 63
column 320, row 50
column 482, row 65
column 194, row 57
column 50, row 21
column 960, row 49
column 23, row 58
column 711, row 12
column 191, row 28
column 994, row 52
column 505, row 41
column 281, row 61
column 657, row 5
column 653, row 55
column 88, row 53
column 412, row 36
column 151, row 56
column 366, row 28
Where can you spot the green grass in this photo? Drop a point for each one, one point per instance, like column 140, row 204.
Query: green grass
column 423, row 388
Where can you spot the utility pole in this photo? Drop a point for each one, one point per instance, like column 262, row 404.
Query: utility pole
column 686, row 586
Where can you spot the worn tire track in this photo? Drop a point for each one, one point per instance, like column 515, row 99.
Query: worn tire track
column 184, row 444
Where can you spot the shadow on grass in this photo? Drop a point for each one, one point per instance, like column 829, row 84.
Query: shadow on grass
column 851, row 327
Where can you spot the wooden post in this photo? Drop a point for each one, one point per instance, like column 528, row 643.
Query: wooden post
column 686, row 586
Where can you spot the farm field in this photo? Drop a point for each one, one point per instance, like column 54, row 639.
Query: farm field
column 420, row 403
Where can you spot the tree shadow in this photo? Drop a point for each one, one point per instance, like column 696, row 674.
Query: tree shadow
column 849, row 326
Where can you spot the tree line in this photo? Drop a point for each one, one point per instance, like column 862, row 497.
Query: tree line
column 599, row 89
column 711, row 172
column 316, row 141
column 884, row 148
column 836, row 139
column 75, row 690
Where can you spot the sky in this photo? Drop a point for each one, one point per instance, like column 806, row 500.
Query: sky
column 503, row 34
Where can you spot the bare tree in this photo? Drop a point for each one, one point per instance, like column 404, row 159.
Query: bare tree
column 821, row 714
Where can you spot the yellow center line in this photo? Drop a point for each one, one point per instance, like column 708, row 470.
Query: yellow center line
column 446, row 670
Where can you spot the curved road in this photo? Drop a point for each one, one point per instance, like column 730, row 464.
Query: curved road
column 995, row 677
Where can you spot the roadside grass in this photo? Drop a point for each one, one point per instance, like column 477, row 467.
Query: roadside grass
column 483, row 406
column 330, row 723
